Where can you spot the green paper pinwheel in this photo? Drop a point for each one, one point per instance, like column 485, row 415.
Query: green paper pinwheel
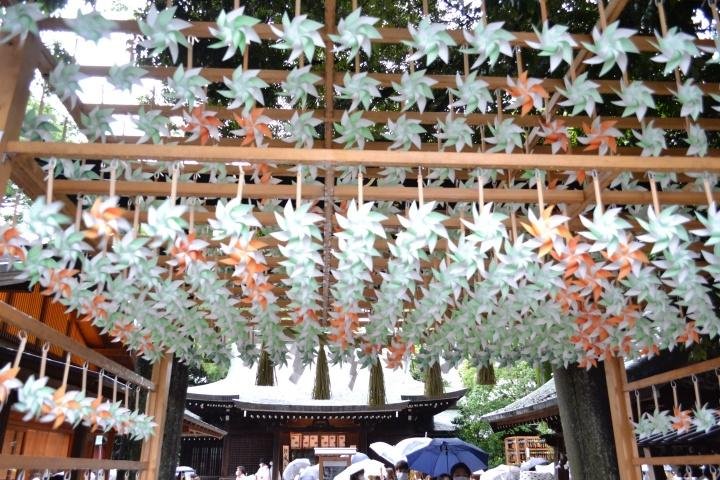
column 165, row 222
column 36, row 127
column 455, row 132
column 91, row 26
column 404, row 133
column 606, row 230
column 234, row 31
column 76, row 170
column 554, row 42
column 188, row 86
column 636, row 98
column 611, row 47
column 704, row 418
column 355, row 32
column 233, row 219
column 651, row 140
column 690, row 97
column 33, row 396
column 506, row 136
column 302, row 130
column 65, row 80
column 299, row 83
column 663, row 229
column 697, row 140
column 300, row 36
column 676, row 50
column 123, row 77
column 244, row 89
column 429, row 39
column 153, row 124
column 359, row 88
column 354, row 130
column 471, row 93
column 96, row 123
column 488, row 41
column 414, row 88
column 19, row 20
column 581, row 94
column 163, row 31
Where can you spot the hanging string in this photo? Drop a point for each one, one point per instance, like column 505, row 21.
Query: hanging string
column 236, row 4
column 708, row 192
column 541, row 200
column 241, row 183
column 78, row 212
column 298, row 187
column 543, row 11
column 22, row 335
column 43, row 359
column 601, row 12
column 654, row 193
column 113, row 177
column 498, row 94
column 136, row 215
column 481, row 192
column 655, row 398
column 298, row 11
column 357, row 55
column 596, row 188
column 84, row 378
column 114, row 390
column 637, row 404
column 673, row 386
column 127, row 395
column 696, row 388
column 360, row 187
column 421, row 194
column 50, row 179
column 174, row 182
column 513, row 225
column 191, row 220
column 101, row 377
column 66, row 371
column 426, row 10
column 137, row 398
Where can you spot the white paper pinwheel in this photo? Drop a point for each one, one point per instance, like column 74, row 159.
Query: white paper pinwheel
column 91, row 26
column 581, row 94
column 663, row 229
column 153, row 124
column 704, row 418
column 636, row 98
column 244, row 89
column 354, row 130
column 359, row 88
column 690, row 97
column 165, row 222
column 96, row 123
column 300, row 36
column 299, row 83
column 471, row 93
column 505, row 136
column 65, row 80
column 429, row 39
column 19, row 20
column 356, row 249
column 556, row 135
column 355, row 32
column 554, row 42
column 163, row 31
column 651, row 139
column 697, row 141
column 76, row 170
column 123, row 77
column 188, row 86
column 404, row 133
column 454, row 132
column 611, row 47
column 606, row 229
column 234, row 31
column 487, row 228
column 302, row 130
column 488, row 41
column 36, row 127
column 676, row 50
column 233, row 219
column 414, row 88
column 32, row 397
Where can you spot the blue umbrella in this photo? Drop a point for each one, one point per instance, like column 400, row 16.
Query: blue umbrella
column 441, row 454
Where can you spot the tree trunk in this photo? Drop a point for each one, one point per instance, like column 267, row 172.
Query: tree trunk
column 585, row 415
column 174, row 419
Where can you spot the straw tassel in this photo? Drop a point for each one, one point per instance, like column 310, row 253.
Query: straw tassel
column 376, row 394
column 321, row 390
column 433, row 381
column 265, row 375
column 485, row 375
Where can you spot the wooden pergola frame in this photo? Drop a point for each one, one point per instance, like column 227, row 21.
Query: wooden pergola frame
column 18, row 162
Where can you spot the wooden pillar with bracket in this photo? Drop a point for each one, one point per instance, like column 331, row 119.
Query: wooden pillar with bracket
column 622, row 421
column 157, row 406
column 18, row 67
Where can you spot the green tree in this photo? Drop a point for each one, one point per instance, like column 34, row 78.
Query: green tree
column 512, row 383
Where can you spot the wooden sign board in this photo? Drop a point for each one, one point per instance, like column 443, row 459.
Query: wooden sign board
column 332, row 461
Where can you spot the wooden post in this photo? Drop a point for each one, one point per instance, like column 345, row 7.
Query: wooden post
column 18, row 66
column 621, row 414
column 157, row 404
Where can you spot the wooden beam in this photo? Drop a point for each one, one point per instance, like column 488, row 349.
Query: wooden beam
column 216, row 75
column 32, row 326
column 622, row 420
column 337, row 157
column 679, row 460
column 18, row 67
column 157, row 407
column 644, row 43
column 27, row 462
column 427, row 118
column 674, row 374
